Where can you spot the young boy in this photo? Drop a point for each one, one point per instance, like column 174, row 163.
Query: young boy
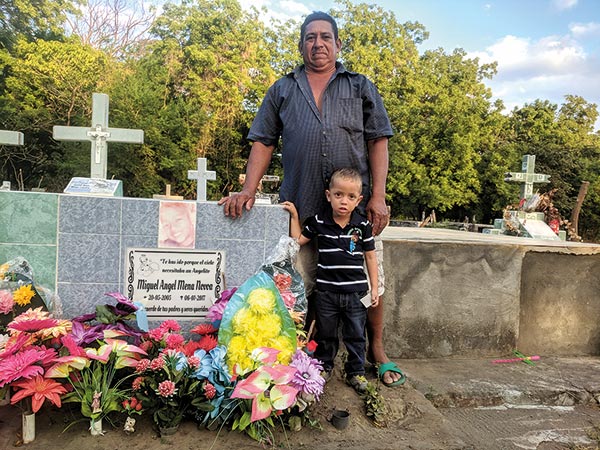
column 345, row 242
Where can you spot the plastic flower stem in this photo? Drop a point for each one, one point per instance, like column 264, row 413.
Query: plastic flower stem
column 513, row 360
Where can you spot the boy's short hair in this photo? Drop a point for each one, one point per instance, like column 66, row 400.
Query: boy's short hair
column 346, row 173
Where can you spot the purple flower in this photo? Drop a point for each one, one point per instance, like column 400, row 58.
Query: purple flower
column 307, row 379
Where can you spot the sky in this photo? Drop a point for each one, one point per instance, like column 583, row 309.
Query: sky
column 545, row 49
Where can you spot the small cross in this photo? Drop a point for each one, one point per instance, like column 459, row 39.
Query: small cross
column 99, row 134
column 11, row 138
column 167, row 195
column 527, row 177
column 202, row 175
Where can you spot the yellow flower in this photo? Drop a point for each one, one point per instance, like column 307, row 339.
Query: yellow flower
column 261, row 300
column 287, row 347
column 243, row 320
column 62, row 328
column 3, row 269
column 23, row 295
column 270, row 325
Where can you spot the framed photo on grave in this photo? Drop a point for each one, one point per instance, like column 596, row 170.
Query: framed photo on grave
column 174, row 283
column 94, row 186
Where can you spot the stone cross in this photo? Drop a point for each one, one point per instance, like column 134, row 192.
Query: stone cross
column 527, row 177
column 202, row 175
column 11, row 138
column 99, row 134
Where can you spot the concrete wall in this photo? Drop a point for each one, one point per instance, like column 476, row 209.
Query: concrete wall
column 452, row 293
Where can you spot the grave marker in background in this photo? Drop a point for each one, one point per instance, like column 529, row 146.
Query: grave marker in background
column 11, row 138
column 99, row 134
column 202, row 175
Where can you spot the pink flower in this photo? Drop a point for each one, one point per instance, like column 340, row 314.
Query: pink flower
column 209, row 390
column 142, row 365
column 6, row 302
column 32, row 325
column 174, row 340
column 194, row 362
column 157, row 363
column 20, row 365
column 170, row 325
column 288, row 299
column 166, row 388
column 157, row 333
column 137, row 383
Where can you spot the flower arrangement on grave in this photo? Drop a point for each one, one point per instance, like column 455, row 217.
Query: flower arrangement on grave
column 179, row 378
column 27, row 354
column 17, row 291
column 97, row 375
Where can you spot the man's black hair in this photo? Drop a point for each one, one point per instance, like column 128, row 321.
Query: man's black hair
column 318, row 15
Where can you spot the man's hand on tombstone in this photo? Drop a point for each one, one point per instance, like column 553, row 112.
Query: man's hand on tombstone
column 378, row 214
column 234, row 205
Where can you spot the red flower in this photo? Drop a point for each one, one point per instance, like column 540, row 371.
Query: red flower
column 311, row 346
column 190, row 347
column 40, row 389
column 208, row 342
column 203, row 328
column 282, row 281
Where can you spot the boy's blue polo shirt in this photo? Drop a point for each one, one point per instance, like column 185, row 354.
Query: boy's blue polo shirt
column 341, row 251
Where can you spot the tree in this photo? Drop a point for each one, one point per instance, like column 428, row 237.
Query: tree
column 49, row 83
column 117, row 27
column 32, row 19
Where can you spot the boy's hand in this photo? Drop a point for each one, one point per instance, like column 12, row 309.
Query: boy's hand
column 374, row 300
column 289, row 207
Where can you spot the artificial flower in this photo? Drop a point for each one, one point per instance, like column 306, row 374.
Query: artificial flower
column 208, row 342
column 166, row 388
column 31, row 325
column 265, row 355
column 261, row 300
column 6, row 301
column 40, row 389
column 307, row 378
column 283, row 281
column 20, row 365
column 269, row 389
column 209, row 390
column 23, row 295
column 174, row 341
column 203, row 328
column 66, row 364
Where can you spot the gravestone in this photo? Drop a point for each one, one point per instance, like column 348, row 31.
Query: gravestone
column 11, row 138
column 529, row 224
column 201, row 175
column 99, row 134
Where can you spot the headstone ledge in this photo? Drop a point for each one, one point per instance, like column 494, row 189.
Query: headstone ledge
column 94, row 186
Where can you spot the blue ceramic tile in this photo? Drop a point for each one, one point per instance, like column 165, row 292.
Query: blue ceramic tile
column 88, row 258
column 82, row 298
column 41, row 258
column 242, row 258
column 140, row 217
column 212, row 223
column 94, row 215
column 28, row 217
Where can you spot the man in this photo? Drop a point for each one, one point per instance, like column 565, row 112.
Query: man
column 327, row 118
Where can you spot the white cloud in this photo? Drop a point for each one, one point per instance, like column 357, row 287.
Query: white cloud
column 580, row 30
column 564, row 4
column 545, row 69
column 294, row 7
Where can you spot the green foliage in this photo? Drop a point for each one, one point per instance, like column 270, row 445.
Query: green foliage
column 196, row 82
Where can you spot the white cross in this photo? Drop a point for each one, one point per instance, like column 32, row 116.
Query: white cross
column 99, row 134
column 527, row 177
column 11, row 138
column 201, row 174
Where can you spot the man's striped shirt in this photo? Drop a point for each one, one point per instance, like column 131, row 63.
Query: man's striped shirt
column 341, row 251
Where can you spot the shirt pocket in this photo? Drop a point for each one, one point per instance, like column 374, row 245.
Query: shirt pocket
column 349, row 114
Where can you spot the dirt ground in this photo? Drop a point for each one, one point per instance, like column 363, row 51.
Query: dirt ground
column 411, row 422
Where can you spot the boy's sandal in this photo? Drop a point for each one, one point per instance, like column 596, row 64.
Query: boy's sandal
column 390, row 366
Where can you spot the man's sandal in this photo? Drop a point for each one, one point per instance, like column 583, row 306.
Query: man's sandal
column 390, row 366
